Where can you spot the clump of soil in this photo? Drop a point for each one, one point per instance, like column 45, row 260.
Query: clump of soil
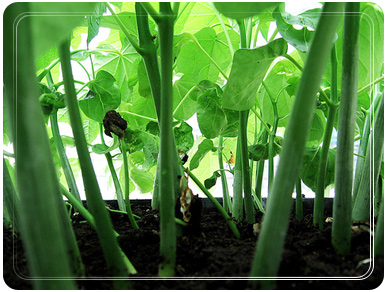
column 214, row 252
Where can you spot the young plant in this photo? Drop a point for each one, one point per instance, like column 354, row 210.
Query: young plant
column 115, row 124
column 342, row 207
column 116, row 260
column 271, row 238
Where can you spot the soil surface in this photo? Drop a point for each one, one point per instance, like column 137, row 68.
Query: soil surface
column 214, row 252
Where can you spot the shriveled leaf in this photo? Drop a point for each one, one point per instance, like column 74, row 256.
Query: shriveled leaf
column 211, row 181
column 240, row 10
column 248, row 70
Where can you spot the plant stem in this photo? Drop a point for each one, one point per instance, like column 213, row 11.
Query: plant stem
column 165, row 22
column 237, row 209
column 318, row 207
column 113, row 173
column 126, row 190
column 218, row 206
column 260, row 169
column 342, row 204
column 124, row 30
column 243, row 117
column 11, row 198
column 113, row 255
column 151, row 63
column 363, row 146
column 226, row 197
column 362, row 206
column 368, row 86
column 271, row 239
column 299, row 201
column 41, row 205
column 69, row 175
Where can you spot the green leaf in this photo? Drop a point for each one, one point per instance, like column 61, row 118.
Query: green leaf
column 204, row 147
column 91, row 129
column 94, row 21
column 211, row 117
column 317, row 130
column 142, row 179
column 282, row 81
column 184, row 106
column 240, row 10
column 310, row 167
column 59, row 19
column 184, row 137
column 260, row 151
column 298, row 38
column 248, row 70
column 211, row 181
column 104, row 95
column 191, row 61
column 121, row 64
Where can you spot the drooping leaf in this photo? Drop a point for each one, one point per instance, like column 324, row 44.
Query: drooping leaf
column 211, row 181
column 310, row 167
column 204, row 147
column 211, row 117
column 248, row 70
column 184, row 137
column 298, row 38
column 94, row 21
column 240, row 10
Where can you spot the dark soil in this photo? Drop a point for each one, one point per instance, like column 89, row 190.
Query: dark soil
column 214, row 253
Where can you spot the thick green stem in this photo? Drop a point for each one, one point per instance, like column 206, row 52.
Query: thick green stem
column 149, row 54
column 165, row 22
column 218, row 206
column 260, row 169
column 362, row 207
column 126, row 190
column 237, row 208
column 10, row 198
column 69, row 175
column 271, row 239
column 114, row 258
column 226, row 197
column 243, row 117
column 44, row 236
column 364, row 145
column 318, row 207
column 342, row 204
